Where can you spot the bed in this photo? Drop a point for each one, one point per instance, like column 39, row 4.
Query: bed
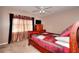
column 66, row 42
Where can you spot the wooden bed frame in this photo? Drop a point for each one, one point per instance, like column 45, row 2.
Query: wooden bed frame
column 41, row 49
column 38, row 47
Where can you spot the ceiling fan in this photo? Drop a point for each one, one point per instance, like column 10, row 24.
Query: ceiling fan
column 42, row 9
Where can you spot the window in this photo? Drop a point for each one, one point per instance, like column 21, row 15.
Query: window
column 20, row 25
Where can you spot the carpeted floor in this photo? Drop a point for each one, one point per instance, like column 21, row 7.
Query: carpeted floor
column 19, row 47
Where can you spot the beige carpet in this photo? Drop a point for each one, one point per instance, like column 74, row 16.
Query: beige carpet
column 19, row 47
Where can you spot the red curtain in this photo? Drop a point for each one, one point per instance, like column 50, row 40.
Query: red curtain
column 21, row 24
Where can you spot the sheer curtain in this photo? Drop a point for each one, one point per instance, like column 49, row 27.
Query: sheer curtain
column 21, row 24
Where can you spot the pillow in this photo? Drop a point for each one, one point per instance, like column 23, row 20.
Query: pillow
column 67, row 33
column 49, row 39
column 41, row 37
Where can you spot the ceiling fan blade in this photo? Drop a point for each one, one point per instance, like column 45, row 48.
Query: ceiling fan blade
column 38, row 7
column 43, row 7
column 36, row 11
column 48, row 7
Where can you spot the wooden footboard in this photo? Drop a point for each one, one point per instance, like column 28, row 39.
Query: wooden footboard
column 41, row 49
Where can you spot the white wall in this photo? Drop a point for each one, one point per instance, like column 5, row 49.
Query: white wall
column 59, row 21
column 0, row 24
column 4, row 27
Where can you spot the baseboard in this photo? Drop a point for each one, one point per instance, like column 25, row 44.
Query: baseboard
column 2, row 45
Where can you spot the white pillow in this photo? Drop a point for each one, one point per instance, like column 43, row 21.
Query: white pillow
column 65, row 39
column 41, row 37
column 63, row 43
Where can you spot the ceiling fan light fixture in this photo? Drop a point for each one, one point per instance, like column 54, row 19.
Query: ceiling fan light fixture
column 42, row 11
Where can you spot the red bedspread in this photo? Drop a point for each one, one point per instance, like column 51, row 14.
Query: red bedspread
column 53, row 47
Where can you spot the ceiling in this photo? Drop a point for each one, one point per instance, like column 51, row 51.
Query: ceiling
column 35, row 10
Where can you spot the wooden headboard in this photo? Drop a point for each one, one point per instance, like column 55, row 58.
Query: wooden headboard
column 74, row 38
column 78, row 37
